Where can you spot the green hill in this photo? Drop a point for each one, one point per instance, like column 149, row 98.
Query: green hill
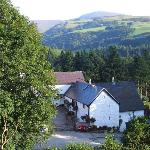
column 126, row 32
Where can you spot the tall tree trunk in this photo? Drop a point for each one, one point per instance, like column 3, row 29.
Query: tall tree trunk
column 4, row 134
column 141, row 92
column 146, row 90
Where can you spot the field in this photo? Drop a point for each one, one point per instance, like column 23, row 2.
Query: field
column 141, row 28
column 90, row 30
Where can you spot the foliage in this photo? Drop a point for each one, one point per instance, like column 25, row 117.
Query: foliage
column 111, row 144
column 79, row 147
column 137, row 134
column 25, row 76
column 74, row 147
column 114, row 66
column 146, row 102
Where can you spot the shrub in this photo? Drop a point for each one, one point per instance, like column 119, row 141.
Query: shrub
column 137, row 136
column 92, row 120
column 79, row 147
column 111, row 144
column 146, row 102
column 104, row 128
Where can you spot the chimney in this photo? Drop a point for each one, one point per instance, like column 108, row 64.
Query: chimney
column 113, row 81
column 90, row 81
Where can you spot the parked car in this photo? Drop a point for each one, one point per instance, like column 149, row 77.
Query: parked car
column 82, row 128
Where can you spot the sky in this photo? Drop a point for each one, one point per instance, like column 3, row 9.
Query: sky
column 69, row 9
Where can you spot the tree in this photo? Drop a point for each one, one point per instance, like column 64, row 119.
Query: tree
column 64, row 62
column 25, row 79
column 114, row 66
column 140, row 72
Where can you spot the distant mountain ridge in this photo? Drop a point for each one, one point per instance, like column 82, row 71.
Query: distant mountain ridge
column 99, row 14
column 44, row 25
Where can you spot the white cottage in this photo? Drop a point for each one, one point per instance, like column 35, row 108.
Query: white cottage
column 109, row 104
column 95, row 102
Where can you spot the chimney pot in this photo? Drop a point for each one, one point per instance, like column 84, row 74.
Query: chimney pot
column 113, row 81
column 90, row 81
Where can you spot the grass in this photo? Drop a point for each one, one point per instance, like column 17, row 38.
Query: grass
column 90, row 30
column 141, row 27
column 71, row 25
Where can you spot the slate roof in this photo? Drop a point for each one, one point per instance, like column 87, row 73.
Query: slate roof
column 69, row 77
column 84, row 92
column 126, row 93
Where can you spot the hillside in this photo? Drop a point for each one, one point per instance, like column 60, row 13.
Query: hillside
column 44, row 25
column 127, row 32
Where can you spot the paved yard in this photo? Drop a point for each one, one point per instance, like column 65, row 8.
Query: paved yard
column 65, row 135
column 61, row 138
column 62, row 121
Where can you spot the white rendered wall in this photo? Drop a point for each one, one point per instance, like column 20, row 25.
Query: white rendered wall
column 81, row 111
column 105, row 110
column 127, row 116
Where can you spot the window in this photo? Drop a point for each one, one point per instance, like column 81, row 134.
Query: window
column 83, row 106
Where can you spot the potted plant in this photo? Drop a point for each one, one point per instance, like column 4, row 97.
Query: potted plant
column 92, row 120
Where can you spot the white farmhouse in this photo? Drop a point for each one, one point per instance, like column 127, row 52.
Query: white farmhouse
column 108, row 104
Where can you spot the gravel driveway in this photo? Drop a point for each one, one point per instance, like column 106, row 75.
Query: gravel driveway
column 61, row 138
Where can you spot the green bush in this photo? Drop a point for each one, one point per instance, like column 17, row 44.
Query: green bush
column 74, row 147
column 111, row 144
column 79, row 147
column 146, row 101
column 137, row 136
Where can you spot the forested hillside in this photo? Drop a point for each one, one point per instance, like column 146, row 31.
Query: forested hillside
column 130, row 34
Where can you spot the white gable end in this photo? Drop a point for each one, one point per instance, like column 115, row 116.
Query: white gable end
column 105, row 110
